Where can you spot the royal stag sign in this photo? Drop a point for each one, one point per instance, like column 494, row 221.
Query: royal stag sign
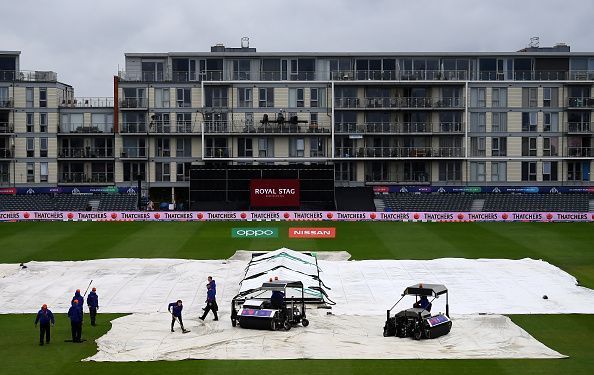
column 274, row 193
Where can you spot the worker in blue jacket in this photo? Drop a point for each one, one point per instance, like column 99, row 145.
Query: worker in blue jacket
column 211, row 299
column 175, row 308
column 76, row 317
column 80, row 299
column 44, row 318
column 93, row 303
column 423, row 303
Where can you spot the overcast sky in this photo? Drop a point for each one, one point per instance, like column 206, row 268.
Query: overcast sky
column 85, row 41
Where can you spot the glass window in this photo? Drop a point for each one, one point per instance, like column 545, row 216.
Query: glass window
column 30, row 172
column 498, row 171
column 499, row 97
column 244, row 147
column 528, row 171
column 184, row 98
column 478, row 122
column 245, row 97
column 265, row 147
column 313, row 98
column 30, row 147
column 499, row 122
column 43, row 122
column 478, row 97
column 551, row 122
column 550, row 146
column 266, row 97
column 43, row 147
column 450, row 171
column 528, row 146
column 296, row 147
column 549, row 171
column 29, row 93
column 317, row 147
column 529, row 121
column 162, row 98
column 183, row 147
column 30, row 123
column 499, row 146
column 477, row 171
column 43, row 97
column 530, row 97
column 43, row 171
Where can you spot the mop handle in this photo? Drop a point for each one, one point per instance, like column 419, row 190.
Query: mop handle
column 88, row 288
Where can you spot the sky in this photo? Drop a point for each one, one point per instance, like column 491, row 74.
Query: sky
column 84, row 41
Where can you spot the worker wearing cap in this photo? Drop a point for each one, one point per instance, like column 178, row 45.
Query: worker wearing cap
column 175, row 308
column 44, row 318
column 80, row 299
column 423, row 303
column 93, row 303
column 76, row 317
column 211, row 299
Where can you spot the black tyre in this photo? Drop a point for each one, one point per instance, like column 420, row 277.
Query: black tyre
column 273, row 325
column 233, row 322
column 304, row 322
column 287, row 326
column 417, row 334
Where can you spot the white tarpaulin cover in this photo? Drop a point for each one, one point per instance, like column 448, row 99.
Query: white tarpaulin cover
column 362, row 290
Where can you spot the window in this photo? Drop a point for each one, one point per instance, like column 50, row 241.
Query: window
column 244, row 147
column 43, row 147
column 296, row 147
column 477, row 171
column 551, row 122
column 265, row 147
column 498, row 171
column 163, row 172
column 550, row 146
column 528, row 171
column 163, row 149
column 499, row 146
column 184, row 98
column 183, row 147
column 499, row 122
column 43, row 122
column 245, row 97
column 528, row 146
column 183, row 122
column 30, row 172
column 162, row 98
column 42, row 97
column 530, row 97
column 549, row 171
column 30, row 124
column 313, row 121
column 477, row 146
column 499, row 97
column 450, row 171
column 529, row 121
column 132, row 170
column 266, row 97
column 183, row 171
column 478, row 97
column 30, row 147
column 578, row 170
column 296, row 98
column 317, row 147
column 29, row 93
column 241, row 69
column 161, row 123
column 43, row 173
column 313, row 98
column 478, row 122
column 550, row 97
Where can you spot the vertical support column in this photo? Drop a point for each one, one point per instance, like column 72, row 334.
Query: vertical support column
column 116, row 104
column 466, row 163
column 332, row 120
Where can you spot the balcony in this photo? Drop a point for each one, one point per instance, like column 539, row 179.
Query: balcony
column 400, row 128
column 133, row 153
column 399, row 103
column 6, row 128
column 579, row 127
column 91, row 102
column 399, row 75
column 216, row 152
column 85, row 178
column 243, row 127
column 133, row 128
column 580, row 152
column 400, row 152
column 5, row 153
column 29, row 76
column 579, row 103
column 101, row 129
column 6, row 103
column 85, row 153
column 133, row 103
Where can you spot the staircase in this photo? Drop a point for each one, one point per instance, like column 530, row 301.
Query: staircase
column 477, row 205
column 380, row 205
column 94, row 204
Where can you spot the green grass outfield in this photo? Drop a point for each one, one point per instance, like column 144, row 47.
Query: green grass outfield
column 567, row 245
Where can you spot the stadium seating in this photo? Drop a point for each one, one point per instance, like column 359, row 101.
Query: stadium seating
column 427, row 202
column 40, row 202
column 67, row 202
column 117, row 203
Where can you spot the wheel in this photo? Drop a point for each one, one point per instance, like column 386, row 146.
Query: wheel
column 273, row 325
column 233, row 322
column 304, row 322
column 287, row 326
column 417, row 334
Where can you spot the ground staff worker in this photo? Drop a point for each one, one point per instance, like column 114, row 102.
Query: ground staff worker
column 76, row 317
column 44, row 318
column 93, row 303
column 211, row 300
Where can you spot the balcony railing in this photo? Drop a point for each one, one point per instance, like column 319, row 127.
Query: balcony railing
column 242, row 127
column 6, row 103
column 216, row 152
column 133, row 103
column 400, row 128
column 580, row 102
column 400, row 152
column 85, row 152
column 133, row 152
column 25, row 75
column 92, row 102
column 5, row 153
column 101, row 128
column 133, row 128
column 580, row 152
column 400, row 102
column 217, row 103
column 579, row 127
column 4, row 178
column 85, row 178
column 6, row 127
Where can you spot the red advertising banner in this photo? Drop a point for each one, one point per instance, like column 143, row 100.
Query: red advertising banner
column 312, row 232
column 274, row 193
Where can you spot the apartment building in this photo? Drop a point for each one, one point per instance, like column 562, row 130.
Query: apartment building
column 518, row 118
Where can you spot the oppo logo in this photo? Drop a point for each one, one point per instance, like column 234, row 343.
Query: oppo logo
column 254, row 232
